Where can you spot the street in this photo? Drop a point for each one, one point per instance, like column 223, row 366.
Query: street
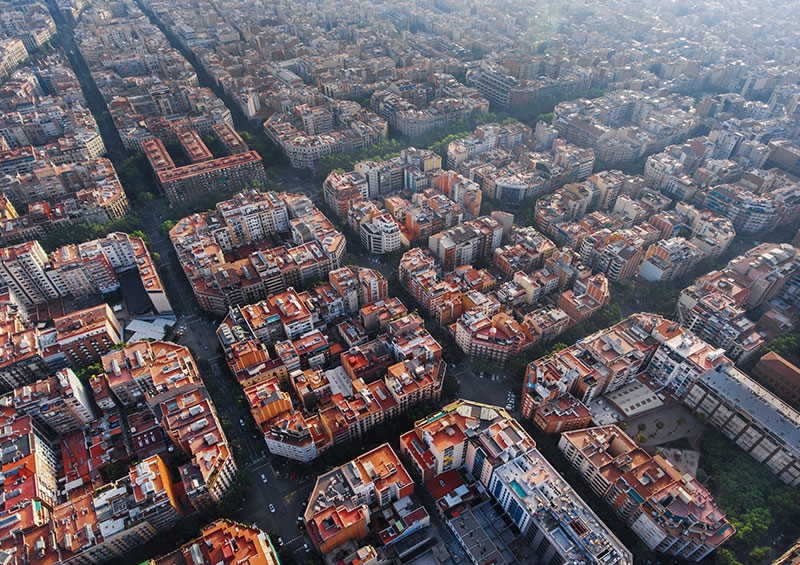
column 288, row 497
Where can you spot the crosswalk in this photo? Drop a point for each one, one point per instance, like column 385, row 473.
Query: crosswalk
column 291, row 541
column 255, row 463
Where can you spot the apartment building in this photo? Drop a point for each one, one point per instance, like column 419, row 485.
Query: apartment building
column 767, row 268
column 188, row 183
column 492, row 448
column 304, row 149
column 546, row 323
column 562, row 414
column 748, row 212
column 717, row 320
column 342, row 501
column 59, row 403
column 600, row 363
column 528, row 252
column 671, row 513
column 780, row 376
column 24, row 269
column 77, row 270
column 297, row 437
column 224, row 540
column 377, row 379
column 154, row 493
column 496, row 338
column 464, row 244
column 26, row 357
column 682, row 358
column 755, row 419
column 191, row 421
column 381, row 234
column 100, row 526
column 669, row 259
column 585, row 298
column 204, row 244
column 142, row 370
column 520, row 483
column 343, row 190
column 267, row 401
column 86, row 335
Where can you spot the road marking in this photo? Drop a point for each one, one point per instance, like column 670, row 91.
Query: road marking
column 289, row 496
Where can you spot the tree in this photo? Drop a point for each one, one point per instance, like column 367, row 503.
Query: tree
column 752, row 498
column 758, row 554
column 623, row 426
column 726, row 557
column 88, row 372
column 660, row 425
column 136, row 177
column 165, row 227
column 141, row 235
column 79, row 233
column 641, row 438
column 560, row 346
column 642, row 427
column 785, row 345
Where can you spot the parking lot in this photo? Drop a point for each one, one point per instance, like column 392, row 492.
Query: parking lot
column 485, row 389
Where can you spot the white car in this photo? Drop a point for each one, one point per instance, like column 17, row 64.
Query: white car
column 263, row 477
column 272, row 508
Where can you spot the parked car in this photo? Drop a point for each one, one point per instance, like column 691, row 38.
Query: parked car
column 272, row 508
column 263, row 477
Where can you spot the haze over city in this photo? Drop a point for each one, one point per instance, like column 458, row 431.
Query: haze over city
column 399, row 283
